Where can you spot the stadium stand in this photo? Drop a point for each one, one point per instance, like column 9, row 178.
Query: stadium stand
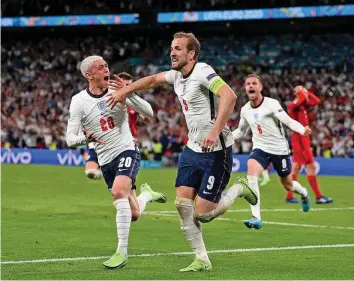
column 67, row 7
column 37, row 85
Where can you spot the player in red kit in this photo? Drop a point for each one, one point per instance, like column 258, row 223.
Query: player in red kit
column 132, row 114
column 302, row 151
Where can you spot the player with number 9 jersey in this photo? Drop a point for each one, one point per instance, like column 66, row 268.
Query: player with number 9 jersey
column 204, row 168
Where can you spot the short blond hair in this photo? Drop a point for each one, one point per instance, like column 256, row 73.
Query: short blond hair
column 87, row 63
column 193, row 43
column 254, row 76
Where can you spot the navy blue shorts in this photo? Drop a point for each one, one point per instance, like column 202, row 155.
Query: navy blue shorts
column 209, row 173
column 92, row 156
column 125, row 164
column 281, row 163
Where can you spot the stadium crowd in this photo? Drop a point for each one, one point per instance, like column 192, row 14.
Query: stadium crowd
column 68, row 7
column 37, row 86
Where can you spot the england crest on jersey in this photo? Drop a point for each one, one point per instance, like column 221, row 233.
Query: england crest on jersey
column 256, row 116
column 102, row 106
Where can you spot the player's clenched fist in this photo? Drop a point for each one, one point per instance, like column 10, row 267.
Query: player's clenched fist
column 307, row 131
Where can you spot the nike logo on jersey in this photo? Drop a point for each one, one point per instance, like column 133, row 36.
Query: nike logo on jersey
column 122, row 170
column 206, row 192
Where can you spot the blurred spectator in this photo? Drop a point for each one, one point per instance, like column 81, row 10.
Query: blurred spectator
column 39, row 78
column 62, row 7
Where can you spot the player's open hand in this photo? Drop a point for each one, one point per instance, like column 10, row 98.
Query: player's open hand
column 307, row 131
column 116, row 84
column 116, row 97
column 209, row 142
column 90, row 137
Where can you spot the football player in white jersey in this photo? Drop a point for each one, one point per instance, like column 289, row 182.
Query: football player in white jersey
column 92, row 168
column 265, row 116
column 205, row 165
column 116, row 149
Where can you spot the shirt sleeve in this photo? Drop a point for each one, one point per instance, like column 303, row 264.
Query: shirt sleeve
column 241, row 129
column 283, row 117
column 295, row 104
column 170, row 76
column 313, row 100
column 139, row 105
column 210, row 79
column 73, row 136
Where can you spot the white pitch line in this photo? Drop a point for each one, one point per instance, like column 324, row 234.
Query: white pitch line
column 296, row 224
column 187, row 253
column 163, row 214
column 265, row 210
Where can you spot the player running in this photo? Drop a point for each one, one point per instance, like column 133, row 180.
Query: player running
column 206, row 162
column 116, row 149
column 264, row 116
column 301, row 145
column 92, row 168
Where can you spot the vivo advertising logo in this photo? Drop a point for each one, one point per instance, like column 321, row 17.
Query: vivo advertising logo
column 10, row 157
column 235, row 164
column 69, row 159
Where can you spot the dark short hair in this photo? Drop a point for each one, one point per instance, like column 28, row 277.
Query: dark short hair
column 192, row 42
column 125, row 76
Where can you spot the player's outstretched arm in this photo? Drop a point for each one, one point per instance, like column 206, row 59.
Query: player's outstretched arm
column 148, row 82
column 141, row 106
column 241, row 129
column 283, row 117
column 73, row 136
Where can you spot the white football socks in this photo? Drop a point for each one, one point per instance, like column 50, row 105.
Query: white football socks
column 299, row 189
column 123, row 220
column 191, row 227
column 265, row 174
column 143, row 199
column 256, row 209
column 227, row 199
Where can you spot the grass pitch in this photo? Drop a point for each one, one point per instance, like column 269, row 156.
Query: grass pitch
column 56, row 224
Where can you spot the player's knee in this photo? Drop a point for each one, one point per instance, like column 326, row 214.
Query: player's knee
column 118, row 193
column 311, row 169
column 94, row 174
column 296, row 168
column 205, row 217
column 287, row 182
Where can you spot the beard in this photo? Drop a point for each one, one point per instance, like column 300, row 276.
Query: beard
column 180, row 65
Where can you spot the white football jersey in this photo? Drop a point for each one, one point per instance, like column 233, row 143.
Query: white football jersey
column 110, row 126
column 265, row 122
column 196, row 93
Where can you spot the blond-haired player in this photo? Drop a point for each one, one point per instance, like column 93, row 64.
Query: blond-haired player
column 118, row 155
